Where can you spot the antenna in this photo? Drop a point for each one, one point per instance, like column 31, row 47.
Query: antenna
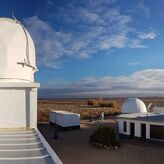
column 149, row 106
column 14, row 16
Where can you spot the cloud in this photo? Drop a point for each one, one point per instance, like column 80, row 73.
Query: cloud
column 81, row 29
column 140, row 8
column 134, row 63
column 149, row 35
column 149, row 82
column 144, row 9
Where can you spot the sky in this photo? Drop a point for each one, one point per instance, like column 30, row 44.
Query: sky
column 95, row 48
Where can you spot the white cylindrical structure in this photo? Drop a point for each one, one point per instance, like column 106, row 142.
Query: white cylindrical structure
column 133, row 105
column 18, row 92
column 17, row 52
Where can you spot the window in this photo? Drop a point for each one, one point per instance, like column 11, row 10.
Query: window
column 125, row 126
column 157, row 132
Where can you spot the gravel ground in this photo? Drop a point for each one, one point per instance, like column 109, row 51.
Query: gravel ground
column 73, row 147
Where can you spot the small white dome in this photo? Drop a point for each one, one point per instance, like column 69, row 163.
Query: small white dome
column 133, row 105
column 17, row 52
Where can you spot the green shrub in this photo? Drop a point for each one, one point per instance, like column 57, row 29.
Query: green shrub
column 104, row 135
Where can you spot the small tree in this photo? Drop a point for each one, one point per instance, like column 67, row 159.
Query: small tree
column 104, row 135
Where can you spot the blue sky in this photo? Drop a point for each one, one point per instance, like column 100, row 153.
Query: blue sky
column 91, row 48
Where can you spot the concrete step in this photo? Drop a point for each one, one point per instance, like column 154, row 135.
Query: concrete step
column 18, row 147
column 22, row 154
column 45, row 160
column 22, row 147
column 21, row 141
column 17, row 132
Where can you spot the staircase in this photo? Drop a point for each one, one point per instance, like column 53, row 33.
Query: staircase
column 23, row 147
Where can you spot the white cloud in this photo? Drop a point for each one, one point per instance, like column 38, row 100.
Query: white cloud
column 149, row 35
column 148, row 82
column 82, row 30
column 144, row 9
column 140, row 8
column 136, row 43
column 134, row 63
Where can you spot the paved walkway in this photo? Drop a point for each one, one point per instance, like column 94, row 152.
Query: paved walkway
column 73, row 147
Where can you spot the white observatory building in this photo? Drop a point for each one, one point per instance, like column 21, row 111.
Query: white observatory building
column 133, row 105
column 135, row 122
column 20, row 140
column 18, row 91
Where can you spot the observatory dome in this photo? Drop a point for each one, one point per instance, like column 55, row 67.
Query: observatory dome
column 133, row 105
column 17, row 52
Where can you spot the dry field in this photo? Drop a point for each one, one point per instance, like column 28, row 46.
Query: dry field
column 80, row 106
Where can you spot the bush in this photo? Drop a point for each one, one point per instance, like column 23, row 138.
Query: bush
column 104, row 135
column 93, row 102
column 101, row 103
column 108, row 104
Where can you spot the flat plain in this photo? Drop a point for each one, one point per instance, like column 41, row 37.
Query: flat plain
column 80, row 106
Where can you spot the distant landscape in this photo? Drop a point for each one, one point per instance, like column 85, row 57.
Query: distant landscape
column 86, row 111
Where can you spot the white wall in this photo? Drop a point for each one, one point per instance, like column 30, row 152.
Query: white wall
column 64, row 120
column 121, row 127
column 33, row 107
column 67, row 120
column 148, row 130
column 12, row 108
column 137, row 127
column 18, row 106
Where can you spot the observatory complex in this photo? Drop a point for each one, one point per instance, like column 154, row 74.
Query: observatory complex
column 20, row 140
column 136, row 122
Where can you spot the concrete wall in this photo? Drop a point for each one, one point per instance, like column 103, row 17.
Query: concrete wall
column 121, row 128
column 137, row 127
column 18, row 106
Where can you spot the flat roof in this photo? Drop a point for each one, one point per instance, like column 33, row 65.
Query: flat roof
column 150, row 117
column 63, row 112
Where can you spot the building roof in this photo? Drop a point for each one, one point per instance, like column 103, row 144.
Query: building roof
column 17, row 57
column 23, row 147
column 63, row 112
column 150, row 117
column 133, row 105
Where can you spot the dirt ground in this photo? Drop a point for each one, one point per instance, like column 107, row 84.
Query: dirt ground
column 74, row 105
column 73, row 147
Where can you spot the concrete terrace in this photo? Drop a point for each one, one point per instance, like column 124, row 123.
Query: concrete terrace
column 22, row 146
column 73, row 147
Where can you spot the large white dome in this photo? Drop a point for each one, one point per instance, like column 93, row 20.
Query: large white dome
column 133, row 105
column 17, row 52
